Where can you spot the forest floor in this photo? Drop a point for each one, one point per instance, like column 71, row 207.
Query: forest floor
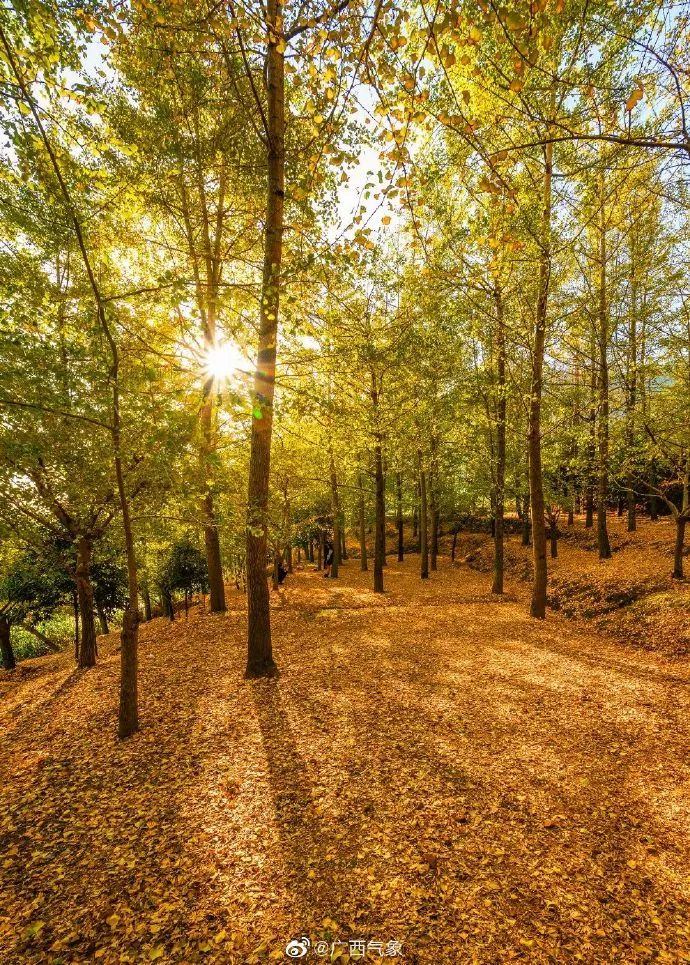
column 631, row 596
column 431, row 767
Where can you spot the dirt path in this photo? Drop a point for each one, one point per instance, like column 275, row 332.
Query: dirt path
column 431, row 768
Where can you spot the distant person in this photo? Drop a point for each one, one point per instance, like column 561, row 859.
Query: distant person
column 282, row 572
column 328, row 559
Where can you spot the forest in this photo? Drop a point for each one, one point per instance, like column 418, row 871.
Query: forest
column 344, row 481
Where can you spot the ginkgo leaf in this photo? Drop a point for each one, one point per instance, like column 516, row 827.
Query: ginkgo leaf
column 634, row 98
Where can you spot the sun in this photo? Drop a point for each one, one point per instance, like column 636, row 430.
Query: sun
column 223, row 361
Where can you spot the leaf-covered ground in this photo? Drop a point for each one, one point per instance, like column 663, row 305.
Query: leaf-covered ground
column 631, row 596
column 431, row 767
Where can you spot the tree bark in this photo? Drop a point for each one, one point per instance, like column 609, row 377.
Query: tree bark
column 46, row 641
column 433, row 508
column 603, row 334
column 363, row 560
column 631, row 398
column 102, row 619
column 259, row 647
column 400, row 521
column 216, row 583
column 146, row 596
column 536, row 485
column 335, row 507
column 681, row 520
column 380, row 533
column 497, row 586
column 6, row 651
column 87, row 646
column 423, row 541
column 526, row 523
column 591, row 442
column 75, row 611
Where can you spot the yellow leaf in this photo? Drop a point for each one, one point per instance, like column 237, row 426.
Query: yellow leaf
column 157, row 952
column 386, row 219
column 634, row 98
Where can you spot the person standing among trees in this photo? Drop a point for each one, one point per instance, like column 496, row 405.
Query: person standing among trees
column 328, row 557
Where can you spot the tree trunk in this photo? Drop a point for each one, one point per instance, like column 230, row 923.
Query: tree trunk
column 681, row 520
column 423, row 542
column 213, row 557
column 46, row 641
column 591, row 442
column 87, row 647
column 75, row 611
column 335, row 507
column 6, row 651
column 538, row 604
column 526, row 523
column 497, row 586
column 631, row 384
column 553, row 537
column 603, row 480
column 400, row 522
column 168, row 604
column 146, row 596
column 259, row 649
column 102, row 619
column 322, row 550
column 380, row 528
column 454, row 546
column 363, row 561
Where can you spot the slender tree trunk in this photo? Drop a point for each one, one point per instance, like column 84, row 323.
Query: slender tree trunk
column 146, row 595
column 497, row 586
column 603, row 480
column 363, row 561
column 681, row 521
column 423, row 542
column 631, row 398
column 454, row 546
column 6, row 651
column 400, row 521
column 102, row 619
column 259, row 648
column 526, row 522
column 322, row 550
column 433, row 507
column 335, row 506
column 46, row 641
column 87, row 648
column 128, row 721
column 75, row 611
column 211, row 539
column 538, row 604
column 591, row 442
column 380, row 536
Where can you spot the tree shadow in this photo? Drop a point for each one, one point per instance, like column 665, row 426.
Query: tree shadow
column 318, row 848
